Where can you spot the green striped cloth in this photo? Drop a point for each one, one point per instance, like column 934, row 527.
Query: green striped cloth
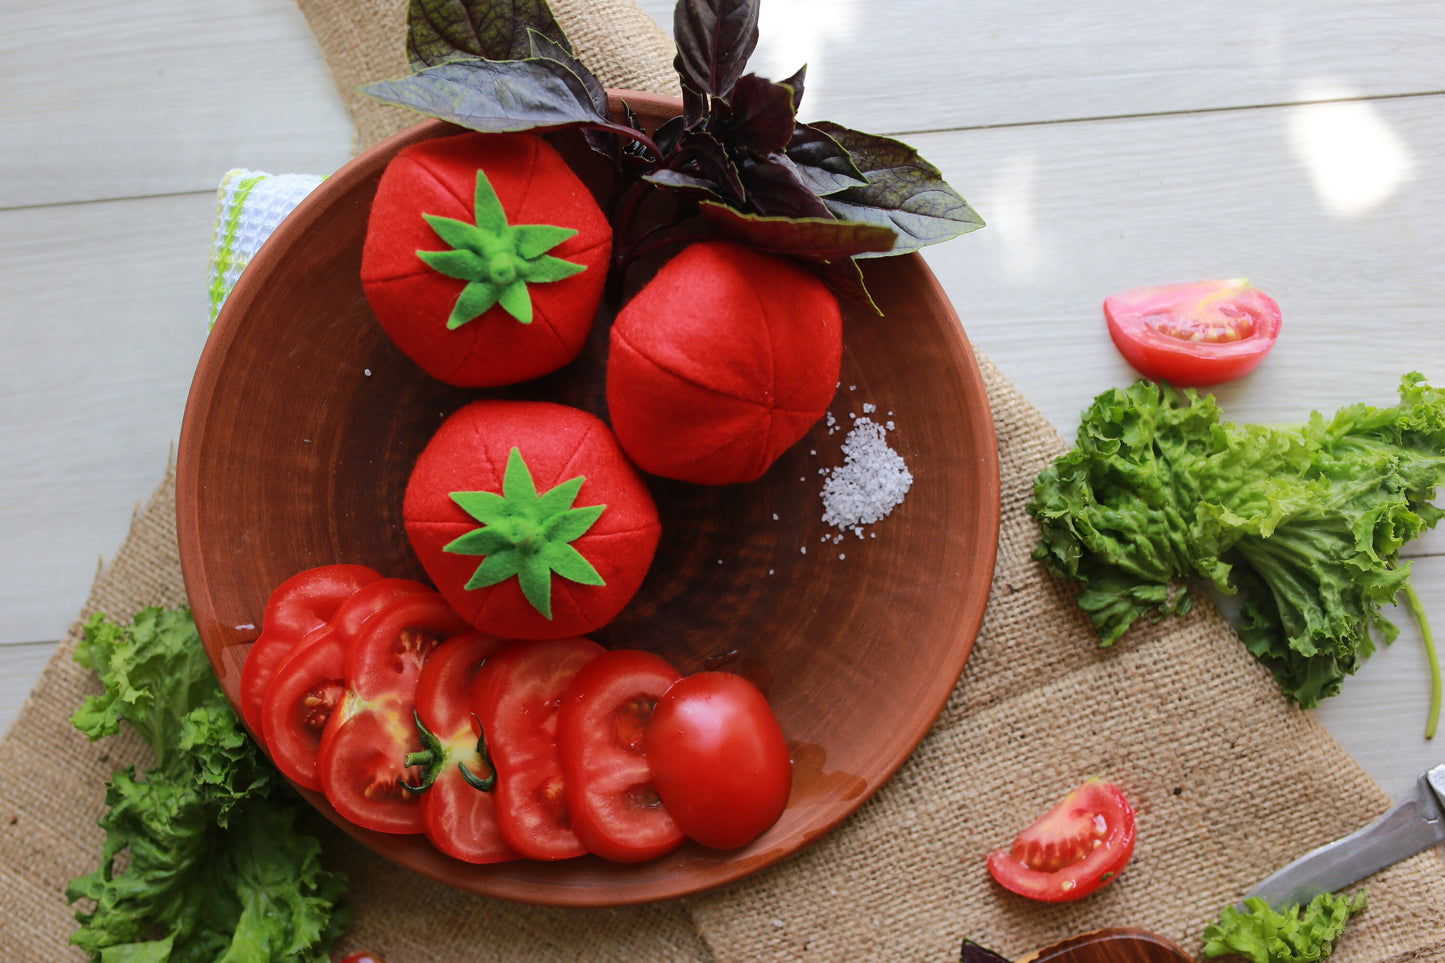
column 249, row 205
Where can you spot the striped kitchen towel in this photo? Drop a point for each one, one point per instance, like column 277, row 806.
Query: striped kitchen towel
column 249, row 205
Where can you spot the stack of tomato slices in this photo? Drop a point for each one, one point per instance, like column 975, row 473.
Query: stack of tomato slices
column 374, row 692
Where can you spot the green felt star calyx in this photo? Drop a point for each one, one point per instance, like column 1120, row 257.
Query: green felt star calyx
column 527, row 535
column 497, row 260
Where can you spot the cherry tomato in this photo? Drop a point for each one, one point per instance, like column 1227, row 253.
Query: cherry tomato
column 457, row 807
column 361, row 758
column 718, row 759
column 1071, row 850
column 611, row 801
column 1194, row 334
column 517, row 695
column 298, row 606
column 309, row 681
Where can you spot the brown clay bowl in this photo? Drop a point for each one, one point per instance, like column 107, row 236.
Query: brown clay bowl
column 303, row 422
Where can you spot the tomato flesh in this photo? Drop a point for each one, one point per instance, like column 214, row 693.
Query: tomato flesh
column 517, row 696
column 1073, row 849
column 601, row 727
column 718, row 759
column 1193, row 334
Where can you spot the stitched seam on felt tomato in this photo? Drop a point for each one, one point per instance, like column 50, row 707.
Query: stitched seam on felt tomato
column 622, row 339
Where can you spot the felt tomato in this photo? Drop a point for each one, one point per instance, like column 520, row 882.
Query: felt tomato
column 611, row 802
column 455, row 787
column 718, row 759
column 1194, row 334
column 517, row 695
column 529, row 519
column 722, row 362
column 1071, row 850
column 304, row 602
column 484, row 257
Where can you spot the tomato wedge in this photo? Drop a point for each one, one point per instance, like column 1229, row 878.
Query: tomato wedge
column 517, row 695
column 361, row 758
column 612, row 804
column 1071, row 850
column 457, row 809
column 719, row 759
column 301, row 604
column 309, row 681
column 1194, row 334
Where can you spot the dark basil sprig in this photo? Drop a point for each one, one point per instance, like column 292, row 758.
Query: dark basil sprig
column 737, row 160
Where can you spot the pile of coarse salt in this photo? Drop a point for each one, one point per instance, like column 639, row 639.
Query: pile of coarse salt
column 872, row 480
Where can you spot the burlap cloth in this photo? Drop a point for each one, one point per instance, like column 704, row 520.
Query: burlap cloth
column 1230, row 781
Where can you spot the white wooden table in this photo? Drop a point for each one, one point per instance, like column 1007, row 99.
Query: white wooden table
column 1298, row 142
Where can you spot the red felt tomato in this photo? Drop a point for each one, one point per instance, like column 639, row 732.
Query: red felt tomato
column 308, row 683
column 517, row 695
column 539, row 259
column 299, row 605
column 529, row 519
column 361, row 759
column 1194, row 334
column 1071, row 850
column 718, row 759
column 611, row 801
column 456, row 801
column 361, row 957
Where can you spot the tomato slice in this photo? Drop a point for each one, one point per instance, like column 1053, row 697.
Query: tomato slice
column 458, row 814
column 719, row 759
column 361, row 757
column 1071, row 850
column 297, row 607
column 612, row 804
column 517, row 695
column 307, row 685
column 1194, row 334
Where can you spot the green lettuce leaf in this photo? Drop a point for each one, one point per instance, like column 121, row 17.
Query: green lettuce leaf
column 1297, row 935
column 202, row 859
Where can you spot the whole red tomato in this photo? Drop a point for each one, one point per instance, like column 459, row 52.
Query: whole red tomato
column 718, row 759
column 1193, row 334
column 1071, row 850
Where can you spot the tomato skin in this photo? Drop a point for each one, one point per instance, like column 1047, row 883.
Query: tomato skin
column 517, row 695
column 1195, row 334
column 601, row 725
column 459, row 819
column 360, row 760
column 1076, row 847
column 298, row 606
column 719, row 759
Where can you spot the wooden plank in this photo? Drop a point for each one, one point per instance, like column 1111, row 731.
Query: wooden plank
column 940, row 64
column 20, row 667
column 160, row 97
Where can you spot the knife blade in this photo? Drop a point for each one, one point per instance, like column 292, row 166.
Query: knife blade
column 1412, row 825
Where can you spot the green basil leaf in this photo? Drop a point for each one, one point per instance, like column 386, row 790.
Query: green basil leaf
column 816, row 238
column 438, row 31
column 904, row 191
column 494, row 97
column 714, row 38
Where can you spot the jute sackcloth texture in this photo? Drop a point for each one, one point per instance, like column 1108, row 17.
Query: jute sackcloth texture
column 1230, row 780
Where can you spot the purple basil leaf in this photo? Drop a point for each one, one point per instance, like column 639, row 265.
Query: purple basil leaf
column 845, row 279
column 971, row 952
column 494, row 96
column 686, row 183
column 441, row 30
column 796, row 82
column 714, row 38
column 762, row 115
column 904, row 191
column 694, row 101
column 700, row 157
column 545, row 48
column 822, row 163
column 774, row 189
column 815, row 238
column 667, row 134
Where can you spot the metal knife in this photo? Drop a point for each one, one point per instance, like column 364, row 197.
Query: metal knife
column 1415, row 823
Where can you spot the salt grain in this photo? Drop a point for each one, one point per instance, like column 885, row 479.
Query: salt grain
column 869, row 484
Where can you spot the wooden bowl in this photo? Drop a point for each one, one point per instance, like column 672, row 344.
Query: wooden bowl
column 303, row 422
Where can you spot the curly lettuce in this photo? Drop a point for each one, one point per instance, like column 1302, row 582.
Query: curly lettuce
column 1305, row 524
column 202, row 859
column 1300, row 934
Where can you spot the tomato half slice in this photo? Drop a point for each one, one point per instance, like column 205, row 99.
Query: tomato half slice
column 458, row 813
column 361, row 757
column 298, row 606
column 1071, row 850
column 517, row 695
column 1193, row 334
column 611, row 801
